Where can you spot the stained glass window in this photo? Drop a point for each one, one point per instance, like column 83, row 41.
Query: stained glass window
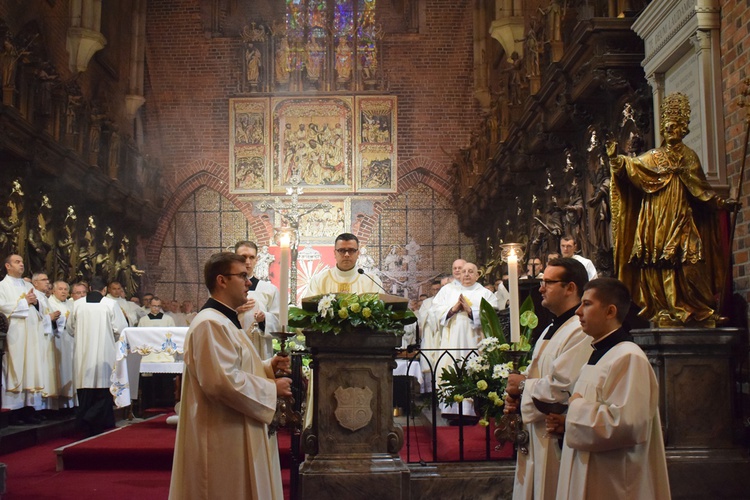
column 332, row 44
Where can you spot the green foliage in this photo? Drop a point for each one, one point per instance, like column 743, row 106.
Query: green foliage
column 483, row 376
column 347, row 312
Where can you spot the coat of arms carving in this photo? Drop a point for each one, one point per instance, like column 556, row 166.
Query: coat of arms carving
column 353, row 407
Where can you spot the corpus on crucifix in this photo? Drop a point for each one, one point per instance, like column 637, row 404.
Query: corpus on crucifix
column 291, row 213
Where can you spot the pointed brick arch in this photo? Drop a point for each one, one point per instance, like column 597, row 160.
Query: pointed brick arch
column 193, row 177
column 419, row 170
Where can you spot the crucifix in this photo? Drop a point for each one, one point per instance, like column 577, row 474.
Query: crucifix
column 291, row 213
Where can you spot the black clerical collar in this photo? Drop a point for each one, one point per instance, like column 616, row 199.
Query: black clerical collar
column 156, row 316
column 603, row 346
column 94, row 297
column 560, row 321
column 224, row 309
column 253, row 282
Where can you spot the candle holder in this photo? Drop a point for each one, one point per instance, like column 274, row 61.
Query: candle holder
column 507, row 248
column 510, row 428
column 285, row 415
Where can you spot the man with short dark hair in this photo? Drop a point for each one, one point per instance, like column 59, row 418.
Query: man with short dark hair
column 569, row 248
column 262, row 306
column 557, row 359
column 613, row 441
column 222, row 448
column 96, row 323
column 345, row 276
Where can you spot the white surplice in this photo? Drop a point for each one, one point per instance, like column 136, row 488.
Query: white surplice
column 335, row 280
column 553, row 371
column 266, row 297
column 23, row 366
column 429, row 328
column 613, row 441
column 64, row 345
column 222, row 449
column 459, row 333
column 96, row 327
column 49, row 354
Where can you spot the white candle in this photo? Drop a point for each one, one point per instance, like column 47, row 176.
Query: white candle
column 515, row 325
column 284, row 281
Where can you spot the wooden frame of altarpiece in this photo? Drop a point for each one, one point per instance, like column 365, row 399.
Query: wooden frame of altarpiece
column 334, row 144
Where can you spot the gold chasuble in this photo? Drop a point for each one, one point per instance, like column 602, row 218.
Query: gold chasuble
column 335, row 280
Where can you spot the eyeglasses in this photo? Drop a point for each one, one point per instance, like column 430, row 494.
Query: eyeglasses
column 243, row 276
column 347, row 251
column 550, row 282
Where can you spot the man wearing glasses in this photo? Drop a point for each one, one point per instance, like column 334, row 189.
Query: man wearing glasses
column 345, row 277
column 558, row 357
column 222, row 447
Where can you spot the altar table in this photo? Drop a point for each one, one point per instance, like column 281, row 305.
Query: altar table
column 136, row 342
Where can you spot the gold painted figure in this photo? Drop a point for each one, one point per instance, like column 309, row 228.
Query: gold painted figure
column 665, row 226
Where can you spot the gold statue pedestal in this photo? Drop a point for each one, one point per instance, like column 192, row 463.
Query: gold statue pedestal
column 352, row 444
column 696, row 369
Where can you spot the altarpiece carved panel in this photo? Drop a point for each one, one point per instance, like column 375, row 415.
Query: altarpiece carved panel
column 376, row 144
column 312, row 139
column 249, row 145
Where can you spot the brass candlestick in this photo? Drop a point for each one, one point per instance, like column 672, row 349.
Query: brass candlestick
column 285, row 415
column 510, row 428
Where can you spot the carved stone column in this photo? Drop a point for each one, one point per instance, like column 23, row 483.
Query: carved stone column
column 352, row 445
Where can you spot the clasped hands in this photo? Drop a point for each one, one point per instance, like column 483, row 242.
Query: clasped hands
column 555, row 424
column 461, row 305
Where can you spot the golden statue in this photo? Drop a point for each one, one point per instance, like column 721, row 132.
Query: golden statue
column 665, row 226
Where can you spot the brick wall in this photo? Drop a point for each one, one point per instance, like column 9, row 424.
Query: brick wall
column 735, row 44
column 190, row 79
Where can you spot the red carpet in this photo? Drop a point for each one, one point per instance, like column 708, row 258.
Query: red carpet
column 120, row 465
column 147, row 445
column 418, row 445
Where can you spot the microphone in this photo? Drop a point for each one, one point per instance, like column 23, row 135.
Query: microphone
column 362, row 272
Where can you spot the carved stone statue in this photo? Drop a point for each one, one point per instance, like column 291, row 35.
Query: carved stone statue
column 66, row 255
column 17, row 219
column 41, row 240
column 87, row 252
column 554, row 14
column 665, row 226
column 127, row 273
column 263, row 263
column 343, row 61
column 252, row 64
column 282, row 61
column 8, row 59
column 314, row 55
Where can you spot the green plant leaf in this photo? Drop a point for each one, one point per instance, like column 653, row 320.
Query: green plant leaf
column 490, row 322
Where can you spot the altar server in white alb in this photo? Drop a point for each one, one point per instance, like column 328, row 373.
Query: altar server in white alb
column 223, row 449
column 261, row 309
column 558, row 356
column 23, row 366
column 457, row 306
column 614, row 447
column 96, row 323
column 345, row 277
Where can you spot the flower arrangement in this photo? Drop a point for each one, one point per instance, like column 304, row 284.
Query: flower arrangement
column 347, row 312
column 483, row 374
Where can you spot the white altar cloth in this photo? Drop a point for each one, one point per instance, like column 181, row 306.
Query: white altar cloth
column 136, row 342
